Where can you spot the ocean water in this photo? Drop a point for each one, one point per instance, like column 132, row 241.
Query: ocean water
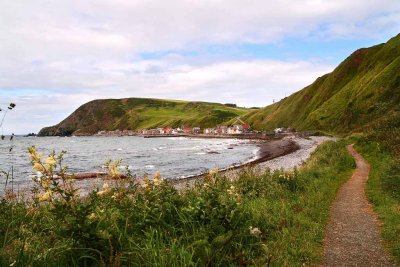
column 173, row 157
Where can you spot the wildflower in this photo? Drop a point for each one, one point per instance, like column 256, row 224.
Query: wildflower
column 92, row 216
column 254, row 231
column 116, row 196
column 213, row 172
column 38, row 167
column 106, row 190
column 46, row 184
column 145, row 183
column 157, row 179
column 113, row 169
column 238, row 198
column 34, row 155
column 50, row 161
column 231, row 190
column 46, row 196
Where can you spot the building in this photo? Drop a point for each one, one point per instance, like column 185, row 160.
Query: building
column 196, row 130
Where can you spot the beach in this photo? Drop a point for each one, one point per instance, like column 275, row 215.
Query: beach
column 286, row 153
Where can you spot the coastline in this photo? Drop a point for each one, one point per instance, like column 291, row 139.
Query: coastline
column 268, row 150
column 283, row 153
column 287, row 153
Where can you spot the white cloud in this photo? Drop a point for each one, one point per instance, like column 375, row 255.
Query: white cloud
column 247, row 83
column 80, row 50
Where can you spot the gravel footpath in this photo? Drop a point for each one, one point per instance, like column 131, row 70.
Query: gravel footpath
column 353, row 233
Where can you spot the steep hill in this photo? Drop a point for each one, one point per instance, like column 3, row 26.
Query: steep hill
column 135, row 113
column 362, row 91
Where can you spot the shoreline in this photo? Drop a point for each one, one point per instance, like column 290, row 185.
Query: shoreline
column 277, row 156
column 268, row 150
column 285, row 153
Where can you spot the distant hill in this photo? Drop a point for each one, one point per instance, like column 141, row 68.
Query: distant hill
column 136, row 113
column 361, row 92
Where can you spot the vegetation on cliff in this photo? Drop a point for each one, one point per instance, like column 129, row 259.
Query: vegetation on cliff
column 363, row 90
column 137, row 113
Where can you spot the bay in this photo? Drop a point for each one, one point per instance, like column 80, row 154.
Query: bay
column 172, row 157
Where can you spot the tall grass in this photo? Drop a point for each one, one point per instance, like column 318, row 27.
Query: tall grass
column 276, row 218
column 381, row 147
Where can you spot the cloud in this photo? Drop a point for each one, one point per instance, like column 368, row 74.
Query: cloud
column 247, row 83
column 59, row 54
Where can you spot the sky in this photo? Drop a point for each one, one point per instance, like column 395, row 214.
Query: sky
column 58, row 55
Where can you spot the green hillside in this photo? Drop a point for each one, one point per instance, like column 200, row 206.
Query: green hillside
column 362, row 91
column 136, row 113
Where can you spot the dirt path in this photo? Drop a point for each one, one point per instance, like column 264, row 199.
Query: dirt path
column 353, row 236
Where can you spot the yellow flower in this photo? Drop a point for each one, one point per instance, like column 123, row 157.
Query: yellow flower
column 157, row 179
column 50, row 161
column 113, row 169
column 145, row 183
column 116, row 196
column 106, row 190
column 92, row 216
column 38, row 167
column 46, row 184
column 46, row 196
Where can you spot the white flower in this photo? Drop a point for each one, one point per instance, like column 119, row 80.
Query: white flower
column 254, row 231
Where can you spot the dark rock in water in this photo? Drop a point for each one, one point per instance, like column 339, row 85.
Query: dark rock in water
column 212, row 152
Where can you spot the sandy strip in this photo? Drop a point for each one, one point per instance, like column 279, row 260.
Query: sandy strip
column 297, row 158
column 286, row 153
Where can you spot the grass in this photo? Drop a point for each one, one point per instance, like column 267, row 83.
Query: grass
column 139, row 113
column 275, row 218
column 362, row 89
column 383, row 186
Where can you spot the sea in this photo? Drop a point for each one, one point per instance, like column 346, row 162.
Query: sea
column 173, row 157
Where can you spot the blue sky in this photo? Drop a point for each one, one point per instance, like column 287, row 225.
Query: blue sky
column 55, row 56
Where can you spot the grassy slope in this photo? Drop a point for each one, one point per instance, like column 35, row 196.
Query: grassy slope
column 361, row 95
column 136, row 113
column 363, row 88
column 159, row 226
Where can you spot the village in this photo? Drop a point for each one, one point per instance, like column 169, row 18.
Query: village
column 184, row 130
column 219, row 131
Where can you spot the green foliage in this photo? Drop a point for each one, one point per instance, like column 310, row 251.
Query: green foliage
column 137, row 113
column 276, row 217
column 381, row 149
column 363, row 89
